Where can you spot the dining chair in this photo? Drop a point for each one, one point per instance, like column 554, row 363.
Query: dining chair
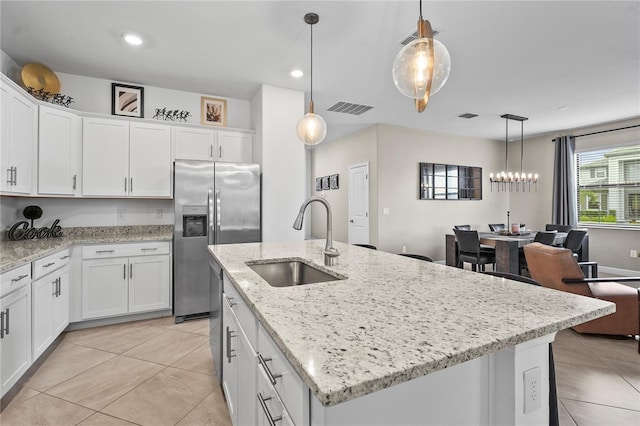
column 559, row 228
column 554, row 419
column 463, row 227
column 556, row 268
column 369, row 246
column 543, row 237
column 574, row 240
column 495, row 227
column 417, row 256
column 469, row 250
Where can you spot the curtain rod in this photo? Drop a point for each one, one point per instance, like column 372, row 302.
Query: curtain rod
column 604, row 131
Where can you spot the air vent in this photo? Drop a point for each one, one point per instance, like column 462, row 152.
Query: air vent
column 468, row 115
column 349, row 108
column 413, row 36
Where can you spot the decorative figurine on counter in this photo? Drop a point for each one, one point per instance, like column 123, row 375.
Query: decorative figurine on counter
column 23, row 231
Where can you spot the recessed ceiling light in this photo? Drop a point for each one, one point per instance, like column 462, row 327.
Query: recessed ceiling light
column 297, row 73
column 563, row 108
column 132, row 39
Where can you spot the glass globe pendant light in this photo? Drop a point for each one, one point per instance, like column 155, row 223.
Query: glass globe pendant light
column 422, row 67
column 311, row 128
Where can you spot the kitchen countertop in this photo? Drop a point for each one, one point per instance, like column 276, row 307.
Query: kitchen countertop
column 394, row 318
column 17, row 253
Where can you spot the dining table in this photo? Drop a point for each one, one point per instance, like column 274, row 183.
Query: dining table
column 507, row 248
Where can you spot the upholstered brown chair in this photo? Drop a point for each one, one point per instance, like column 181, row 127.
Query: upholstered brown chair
column 556, row 268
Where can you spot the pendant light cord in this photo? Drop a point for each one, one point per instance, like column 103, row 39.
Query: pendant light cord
column 521, row 144
column 506, row 146
column 420, row 9
column 311, row 94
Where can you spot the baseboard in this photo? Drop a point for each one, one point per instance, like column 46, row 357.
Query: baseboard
column 117, row 320
column 618, row 271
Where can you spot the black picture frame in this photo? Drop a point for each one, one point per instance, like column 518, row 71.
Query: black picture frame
column 127, row 101
column 325, row 183
column 318, row 184
column 334, row 182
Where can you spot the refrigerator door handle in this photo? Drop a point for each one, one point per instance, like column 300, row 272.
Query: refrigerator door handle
column 211, row 231
column 217, row 216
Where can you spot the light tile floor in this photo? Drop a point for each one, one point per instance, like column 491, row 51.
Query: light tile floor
column 152, row 372
column 156, row 372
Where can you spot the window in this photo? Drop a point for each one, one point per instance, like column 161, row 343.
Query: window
column 609, row 186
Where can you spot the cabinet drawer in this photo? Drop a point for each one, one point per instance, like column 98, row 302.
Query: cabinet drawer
column 15, row 279
column 100, row 251
column 290, row 388
column 245, row 316
column 42, row 267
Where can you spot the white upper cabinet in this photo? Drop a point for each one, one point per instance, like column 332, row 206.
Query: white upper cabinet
column 195, row 144
column 125, row 159
column 150, row 160
column 105, row 157
column 58, row 151
column 19, row 140
column 235, row 147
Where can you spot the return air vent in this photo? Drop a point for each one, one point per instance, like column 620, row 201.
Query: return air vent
column 468, row 115
column 413, row 36
column 349, row 108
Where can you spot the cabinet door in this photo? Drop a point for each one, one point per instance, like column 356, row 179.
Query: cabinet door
column 15, row 346
column 58, row 149
column 18, row 142
column 61, row 303
column 42, row 295
column 229, row 360
column 149, row 283
column 247, row 381
column 6, row 177
column 150, row 160
column 104, row 287
column 194, row 144
column 105, row 157
column 235, row 147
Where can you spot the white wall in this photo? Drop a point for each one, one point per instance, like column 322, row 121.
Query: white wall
column 275, row 113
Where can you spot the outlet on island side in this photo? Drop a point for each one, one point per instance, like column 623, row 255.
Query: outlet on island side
column 404, row 249
column 532, row 390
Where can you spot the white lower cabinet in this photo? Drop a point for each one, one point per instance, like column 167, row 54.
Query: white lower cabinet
column 119, row 279
column 15, row 326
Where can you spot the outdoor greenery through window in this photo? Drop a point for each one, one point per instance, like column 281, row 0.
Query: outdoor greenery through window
column 609, row 186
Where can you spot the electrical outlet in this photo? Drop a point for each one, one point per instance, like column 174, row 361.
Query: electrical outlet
column 532, row 390
column 158, row 213
column 633, row 253
column 122, row 214
column 404, row 249
column 385, row 210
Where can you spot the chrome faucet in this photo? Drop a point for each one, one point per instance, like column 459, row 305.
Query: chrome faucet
column 330, row 253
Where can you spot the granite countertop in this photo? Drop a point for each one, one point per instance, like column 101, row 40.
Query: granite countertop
column 394, row 318
column 17, row 253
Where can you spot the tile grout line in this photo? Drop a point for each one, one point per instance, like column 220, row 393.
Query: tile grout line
column 601, row 405
column 568, row 412
column 196, row 406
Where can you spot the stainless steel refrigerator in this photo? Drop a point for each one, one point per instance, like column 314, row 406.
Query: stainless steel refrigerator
column 214, row 203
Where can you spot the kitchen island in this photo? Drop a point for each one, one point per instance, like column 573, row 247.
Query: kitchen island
column 402, row 341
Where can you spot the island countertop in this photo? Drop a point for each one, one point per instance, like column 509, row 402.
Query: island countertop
column 393, row 318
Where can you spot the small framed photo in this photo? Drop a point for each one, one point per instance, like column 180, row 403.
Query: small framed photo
column 318, row 184
column 333, row 182
column 325, row 182
column 213, row 112
column 127, row 100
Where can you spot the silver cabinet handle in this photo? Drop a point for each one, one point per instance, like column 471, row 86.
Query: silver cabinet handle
column 59, row 286
column 10, row 176
column 15, row 280
column 1, row 325
column 263, row 403
column 48, row 264
column 231, row 301
column 75, row 177
column 15, row 179
column 104, row 251
column 125, row 184
column 6, row 322
column 131, row 185
column 149, row 249
column 124, row 272
column 65, row 257
column 130, row 271
column 211, row 151
column 55, row 287
column 272, row 377
column 220, row 152
column 230, row 335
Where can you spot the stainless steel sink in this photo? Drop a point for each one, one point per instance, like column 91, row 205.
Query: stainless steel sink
column 289, row 273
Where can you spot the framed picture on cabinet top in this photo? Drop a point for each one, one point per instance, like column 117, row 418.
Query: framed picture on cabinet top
column 127, row 100
column 213, row 112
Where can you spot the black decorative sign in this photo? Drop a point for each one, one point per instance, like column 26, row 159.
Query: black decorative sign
column 171, row 115
column 25, row 231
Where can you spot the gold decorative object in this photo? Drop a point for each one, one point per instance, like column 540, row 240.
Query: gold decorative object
column 39, row 76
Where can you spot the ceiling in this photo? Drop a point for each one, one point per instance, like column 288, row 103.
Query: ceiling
column 527, row 58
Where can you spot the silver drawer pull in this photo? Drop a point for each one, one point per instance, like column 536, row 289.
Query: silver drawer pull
column 263, row 403
column 65, row 257
column 149, row 249
column 5, row 329
column 15, row 280
column 48, row 264
column 231, row 301
column 104, row 251
column 272, row 377
column 230, row 351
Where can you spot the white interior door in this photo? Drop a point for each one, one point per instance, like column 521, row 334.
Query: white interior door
column 359, row 203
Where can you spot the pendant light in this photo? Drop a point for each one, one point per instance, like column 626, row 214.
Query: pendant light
column 507, row 180
column 311, row 128
column 422, row 67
